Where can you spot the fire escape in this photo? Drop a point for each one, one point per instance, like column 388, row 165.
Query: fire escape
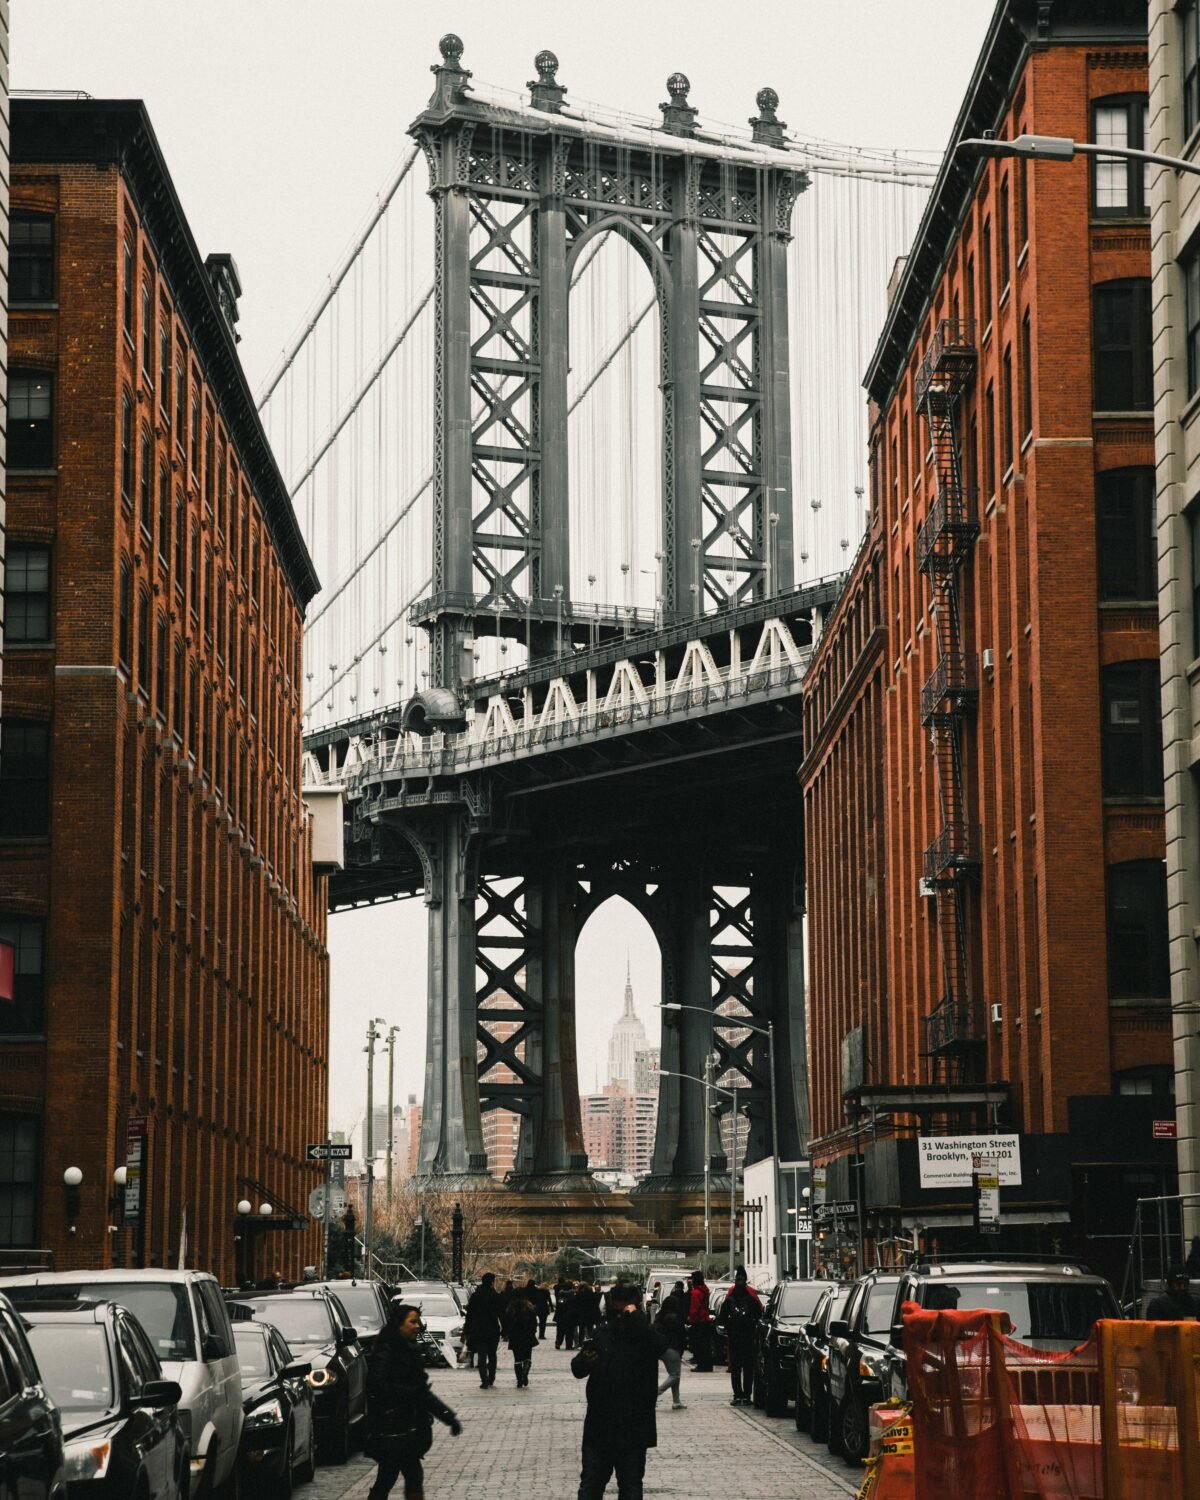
column 954, row 1039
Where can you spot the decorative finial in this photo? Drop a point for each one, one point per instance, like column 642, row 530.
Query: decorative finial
column 450, row 74
column 679, row 118
column 451, row 48
column 546, row 92
column 768, row 127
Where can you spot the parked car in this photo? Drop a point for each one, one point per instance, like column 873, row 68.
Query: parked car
column 858, row 1342
column 32, row 1465
column 443, row 1319
column 1051, row 1306
column 316, row 1327
column 812, row 1362
column 279, row 1435
column 789, row 1305
column 184, row 1317
column 411, row 1290
column 365, row 1301
column 121, row 1429
column 720, row 1343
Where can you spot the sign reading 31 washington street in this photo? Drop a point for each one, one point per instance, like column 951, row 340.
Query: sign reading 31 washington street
column 947, row 1160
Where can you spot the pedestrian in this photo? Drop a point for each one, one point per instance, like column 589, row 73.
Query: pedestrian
column 699, row 1323
column 671, row 1322
column 1175, row 1304
column 587, row 1310
column 401, row 1406
column 740, row 1312
column 540, row 1297
column 481, row 1327
column 1192, row 1264
column 656, row 1296
column 620, row 1365
column 520, row 1332
column 508, row 1293
column 564, row 1317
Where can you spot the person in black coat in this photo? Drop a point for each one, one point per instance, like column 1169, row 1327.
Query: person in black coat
column 739, row 1314
column 520, row 1331
column 401, row 1406
column 620, row 1365
column 540, row 1297
column 564, row 1315
column 481, row 1327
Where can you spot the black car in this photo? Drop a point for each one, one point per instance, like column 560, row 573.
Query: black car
column 279, row 1435
column 858, row 1343
column 789, row 1306
column 316, row 1327
column 1051, row 1305
column 365, row 1301
column 812, row 1362
column 121, row 1429
column 31, row 1442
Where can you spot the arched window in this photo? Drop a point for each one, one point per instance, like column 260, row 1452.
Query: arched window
column 164, row 513
column 124, row 607
column 126, row 450
column 160, row 667
column 145, row 491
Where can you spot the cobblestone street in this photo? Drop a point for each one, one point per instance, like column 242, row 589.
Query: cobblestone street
column 525, row 1445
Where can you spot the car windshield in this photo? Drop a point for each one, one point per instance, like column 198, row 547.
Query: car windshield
column 1058, row 1311
column 160, row 1307
column 74, row 1361
column 301, row 1320
column 799, row 1299
column 362, row 1305
column 436, row 1307
column 251, row 1351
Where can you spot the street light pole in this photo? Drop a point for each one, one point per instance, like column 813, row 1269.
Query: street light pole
column 707, row 1160
column 391, row 1122
column 1063, row 148
column 368, row 1224
column 733, row 1166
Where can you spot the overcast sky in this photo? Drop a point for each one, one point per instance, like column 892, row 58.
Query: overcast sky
column 281, row 119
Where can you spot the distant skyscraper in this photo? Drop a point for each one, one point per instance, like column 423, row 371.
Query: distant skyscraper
column 618, row 1129
column 645, row 1070
column 627, row 1040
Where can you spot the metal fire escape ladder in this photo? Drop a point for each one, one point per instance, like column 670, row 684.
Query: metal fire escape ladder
column 954, row 1033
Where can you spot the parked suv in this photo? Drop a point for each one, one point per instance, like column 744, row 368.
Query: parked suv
column 1051, row 1306
column 789, row 1306
column 31, row 1441
column 812, row 1362
column 188, row 1327
column 858, row 1342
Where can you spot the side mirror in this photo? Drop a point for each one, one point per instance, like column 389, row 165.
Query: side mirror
column 211, row 1348
column 346, row 1336
column 160, row 1393
column 811, row 1329
column 296, row 1371
column 898, row 1335
column 839, row 1329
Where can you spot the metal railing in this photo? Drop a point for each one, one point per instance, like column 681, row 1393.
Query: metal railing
column 956, row 851
column 1157, row 1243
column 22, row 1262
column 950, row 1025
column 953, row 519
column 953, row 682
column 950, row 359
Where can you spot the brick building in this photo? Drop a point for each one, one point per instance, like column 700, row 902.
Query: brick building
column 618, row 1129
column 156, row 866
column 983, row 786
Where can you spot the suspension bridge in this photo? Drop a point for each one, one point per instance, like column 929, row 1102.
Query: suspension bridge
column 576, row 437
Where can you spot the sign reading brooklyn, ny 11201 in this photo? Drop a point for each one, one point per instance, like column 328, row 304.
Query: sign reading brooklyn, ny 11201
column 948, row 1160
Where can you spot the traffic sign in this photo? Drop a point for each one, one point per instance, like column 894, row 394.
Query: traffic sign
column 839, row 1210
column 1164, row 1130
column 328, row 1151
column 316, row 1202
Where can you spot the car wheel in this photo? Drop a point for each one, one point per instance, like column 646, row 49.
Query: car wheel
column 855, row 1437
column 308, row 1469
column 774, row 1401
column 339, row 1442
column 284, row 1487
column 818, row 1428
column 756, row 1390
column 833, row 1427
column 803, row 1411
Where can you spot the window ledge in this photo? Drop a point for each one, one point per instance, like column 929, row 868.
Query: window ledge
column 1131, row 800
column 1007, row 478
column 1192, row 671
column 1023, row 256
column 986, row 334
column 1027, row 441
column 26, row 647
column 33, row 307
column 1004, row 294
column 23, row 1037
column 40, row 473
column 1190, row 409
column 38, row 840
column 1143, row 1002
column 1125, row 605
column 1143, row 414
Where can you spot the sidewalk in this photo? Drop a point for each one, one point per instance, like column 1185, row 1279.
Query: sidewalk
column 525, row 1445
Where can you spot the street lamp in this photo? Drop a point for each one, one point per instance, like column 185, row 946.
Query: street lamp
column 244, row 1207
column 72, row 1179
column 710, row 1087
column 1063, row 148
column 769, row 1032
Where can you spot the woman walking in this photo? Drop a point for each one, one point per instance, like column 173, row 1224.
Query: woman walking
column 520, row 1330
column 401, row 1406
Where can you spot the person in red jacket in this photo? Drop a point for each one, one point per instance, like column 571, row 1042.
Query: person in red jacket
column 699, row 1322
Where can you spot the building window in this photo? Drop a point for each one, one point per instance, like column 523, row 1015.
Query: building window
column 1022, row 202
column 160, row 666
column 1002, row 229
column 985, row 272
column 143, row 643
column 147, row 332
column 1118, row 184
column 164, row 513
column 124, row 603
column 209, row 585
column 1138, row 963
column 30, row 420
column 1153, row 1082
column 193, row 709
column 1131, row 729
column 1123, row 346
column 1191, row 316
column 180, row 398
column 1026, row 377
column 127, row 290
column 126, row 450
column 989, row 439
column 177, row 691
column 24, row 780
column 209, row 470
column 164, row 363
column 19, row 1170
column 1127, row 561
column 194, row 573
column 27, row 593
column 145, row 489
column 194, row 445
column 1191, row 67
column 1006, row 412
column 180, row 546
column 31, row 257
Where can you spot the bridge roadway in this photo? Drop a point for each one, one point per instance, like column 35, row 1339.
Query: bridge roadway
column 524, row 1445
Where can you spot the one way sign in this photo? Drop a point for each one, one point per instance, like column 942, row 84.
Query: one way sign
column 328, row 1151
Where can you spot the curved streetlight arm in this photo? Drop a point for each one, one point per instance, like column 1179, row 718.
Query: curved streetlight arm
column 1063, row 148
column 716, row 1017
column 717, row 1088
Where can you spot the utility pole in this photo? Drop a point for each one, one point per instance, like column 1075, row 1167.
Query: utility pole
column 733, row 1185
column 707, row 1160
column 368, row 1226
column 391, row 1125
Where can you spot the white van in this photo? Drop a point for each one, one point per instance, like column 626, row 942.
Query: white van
column 186, row 1321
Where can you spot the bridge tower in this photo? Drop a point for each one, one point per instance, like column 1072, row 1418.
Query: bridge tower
column 519, row 192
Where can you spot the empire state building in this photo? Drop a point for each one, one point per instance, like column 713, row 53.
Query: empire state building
column 627, row 1040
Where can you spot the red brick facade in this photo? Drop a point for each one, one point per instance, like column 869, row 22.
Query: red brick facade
column 185, row 974
column 1012, row 255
